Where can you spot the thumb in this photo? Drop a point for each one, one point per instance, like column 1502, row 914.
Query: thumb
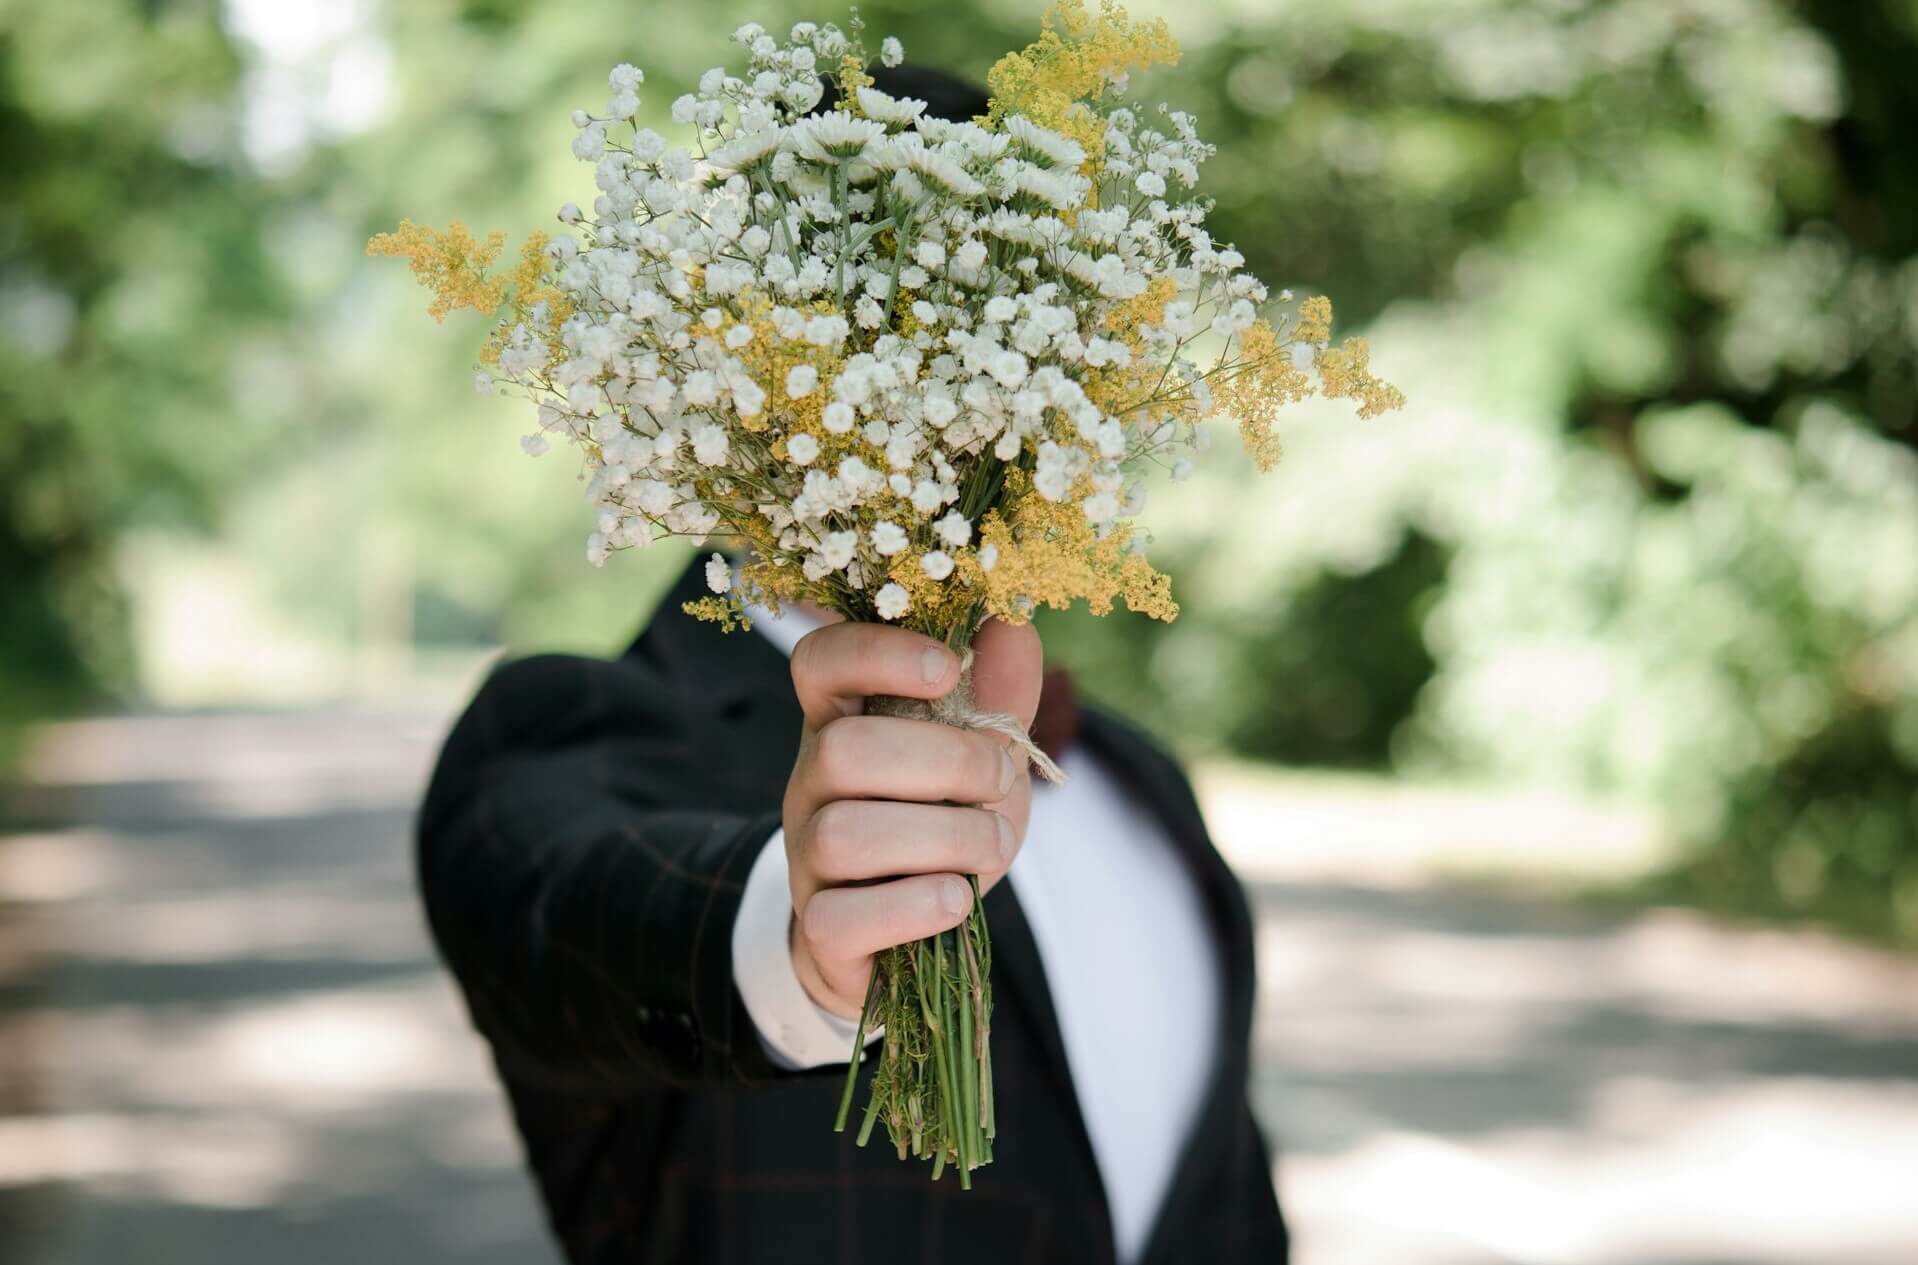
column 1007, row 667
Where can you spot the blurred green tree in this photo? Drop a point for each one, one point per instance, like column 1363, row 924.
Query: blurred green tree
column 133, row 295
column 1648, row 267
column 1665, row 253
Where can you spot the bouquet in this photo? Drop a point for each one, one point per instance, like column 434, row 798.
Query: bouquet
column 915, row 367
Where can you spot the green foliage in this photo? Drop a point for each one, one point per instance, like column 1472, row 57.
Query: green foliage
column 1648, row 269
column 133, row 290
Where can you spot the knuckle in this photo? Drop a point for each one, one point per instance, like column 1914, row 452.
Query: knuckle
column 831, row 837
column 957, row 836
column 973, row 837
column 805, row 657
column 987, row 765
column 834, row 750
column 868, row 639
column 985, row 838
column 815, row 925
column 907, row 914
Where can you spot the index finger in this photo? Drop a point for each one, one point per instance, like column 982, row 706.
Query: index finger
column 836, row 668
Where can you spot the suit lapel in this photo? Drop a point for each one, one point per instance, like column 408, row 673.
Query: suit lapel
column 738, row 684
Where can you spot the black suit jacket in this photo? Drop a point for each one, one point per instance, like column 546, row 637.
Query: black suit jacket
column 582, row 850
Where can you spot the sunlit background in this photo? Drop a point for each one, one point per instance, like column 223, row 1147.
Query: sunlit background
column 1563, row 726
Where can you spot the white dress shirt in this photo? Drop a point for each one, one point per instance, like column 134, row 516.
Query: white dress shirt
column 1128, row 956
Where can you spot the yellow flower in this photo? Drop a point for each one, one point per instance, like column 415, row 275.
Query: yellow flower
column 1072, row 63
column 450, row 264
column 1050, row 554
column 1264, row 382
column 1345, row 373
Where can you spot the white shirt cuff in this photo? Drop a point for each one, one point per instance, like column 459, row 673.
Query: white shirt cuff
column 795, row 1031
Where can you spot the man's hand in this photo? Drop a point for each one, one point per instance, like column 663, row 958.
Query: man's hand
column 877, row 852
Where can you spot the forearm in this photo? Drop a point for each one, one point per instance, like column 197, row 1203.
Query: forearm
column 594, row 942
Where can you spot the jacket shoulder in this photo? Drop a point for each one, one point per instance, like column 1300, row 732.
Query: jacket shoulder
column 540, row 703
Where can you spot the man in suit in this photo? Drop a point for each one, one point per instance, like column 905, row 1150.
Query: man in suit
column 660, row 881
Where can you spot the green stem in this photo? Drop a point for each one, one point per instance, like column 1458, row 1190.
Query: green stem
column 968, row 1064
column 841, row 200
column 872, row 1114
column 858, row 1053
column 898, row 260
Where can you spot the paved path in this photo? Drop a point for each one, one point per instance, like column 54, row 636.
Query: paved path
column 222, row 1038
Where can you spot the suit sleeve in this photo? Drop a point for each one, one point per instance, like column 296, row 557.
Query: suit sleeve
column 582, row 865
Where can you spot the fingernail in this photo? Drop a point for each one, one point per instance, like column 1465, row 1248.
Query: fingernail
column 933, row 664
column 1008, row 773
column 1006, row 839
column 954, row 894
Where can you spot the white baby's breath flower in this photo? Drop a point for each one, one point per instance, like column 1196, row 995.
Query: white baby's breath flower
column 837, row 417
column 801, row 380
column 988, row 557
column 953, row 529
column 748, row 399
column 891, row 52
column 937, row 565
column 940, row 408
column 648, row 145
column 892, row 601
column 802, row 448
column 838, row 547
column 656, row 497
column 719, row 576
column 533, row 445
column 826, row 330
column 711, row 444
column 590, row 144
column 888, row 538
column 926, row 496
column 701, row 388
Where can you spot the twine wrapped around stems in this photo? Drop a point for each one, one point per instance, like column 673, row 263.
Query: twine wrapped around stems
column 933, row 998
column 958, row 709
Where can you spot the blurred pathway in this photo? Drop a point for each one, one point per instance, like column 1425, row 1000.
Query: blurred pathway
column 222, row 1036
